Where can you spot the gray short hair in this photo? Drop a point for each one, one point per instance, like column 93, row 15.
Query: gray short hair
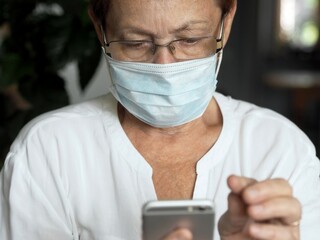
column 100, row 8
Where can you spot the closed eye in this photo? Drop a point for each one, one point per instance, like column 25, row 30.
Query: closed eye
column 136, row 44
column 189, row 41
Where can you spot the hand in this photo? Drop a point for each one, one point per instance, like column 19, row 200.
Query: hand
column 260, row 210
column 179, row 234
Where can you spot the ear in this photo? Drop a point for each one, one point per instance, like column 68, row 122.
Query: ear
column 229, row 20
column 97, row 25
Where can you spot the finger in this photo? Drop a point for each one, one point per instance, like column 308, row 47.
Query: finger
column 287, row 209
column 268, row 189
column 274, row 232
column 179, row 234
column 237, row 184
column 236, row 207
column 236, row 216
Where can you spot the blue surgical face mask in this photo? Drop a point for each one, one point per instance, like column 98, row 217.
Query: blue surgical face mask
column 164, row 95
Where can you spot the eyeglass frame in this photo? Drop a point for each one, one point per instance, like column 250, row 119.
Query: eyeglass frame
column 219, row 49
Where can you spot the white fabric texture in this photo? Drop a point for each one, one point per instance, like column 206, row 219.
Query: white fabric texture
column 74, row 174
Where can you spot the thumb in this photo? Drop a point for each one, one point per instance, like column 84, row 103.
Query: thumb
column 235, row 219
column 179, row 234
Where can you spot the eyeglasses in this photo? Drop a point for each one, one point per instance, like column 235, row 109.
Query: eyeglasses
column 181, row 49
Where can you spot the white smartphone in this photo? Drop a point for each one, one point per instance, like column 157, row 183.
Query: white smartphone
column 162, row 217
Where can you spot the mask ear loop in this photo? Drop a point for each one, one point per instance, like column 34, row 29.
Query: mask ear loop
column 220, row 52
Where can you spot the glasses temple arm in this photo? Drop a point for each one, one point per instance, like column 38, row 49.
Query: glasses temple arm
column 105, row 46
column 220, row 42
column 220, row 45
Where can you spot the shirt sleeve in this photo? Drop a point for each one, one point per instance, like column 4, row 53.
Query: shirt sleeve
column 32, row 205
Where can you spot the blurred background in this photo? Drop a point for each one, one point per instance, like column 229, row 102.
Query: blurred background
column 50, row 57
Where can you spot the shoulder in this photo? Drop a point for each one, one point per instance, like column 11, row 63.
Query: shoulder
column 73, row 118
column 263, row 144
column 257, row 125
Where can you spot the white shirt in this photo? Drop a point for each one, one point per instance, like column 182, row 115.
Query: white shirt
column 73, row 172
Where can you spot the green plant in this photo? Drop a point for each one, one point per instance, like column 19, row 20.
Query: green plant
column 44, row 36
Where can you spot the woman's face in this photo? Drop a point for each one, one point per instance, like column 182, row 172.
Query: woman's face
column 162, row 21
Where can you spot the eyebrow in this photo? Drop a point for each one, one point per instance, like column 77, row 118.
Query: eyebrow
column 185, row 27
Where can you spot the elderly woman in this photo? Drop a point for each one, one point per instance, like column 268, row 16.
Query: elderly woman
column 84, row 172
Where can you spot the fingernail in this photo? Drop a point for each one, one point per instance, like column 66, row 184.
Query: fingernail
column 182, row 238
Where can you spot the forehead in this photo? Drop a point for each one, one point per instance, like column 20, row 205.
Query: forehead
column 155, row 12
column 130, row 4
